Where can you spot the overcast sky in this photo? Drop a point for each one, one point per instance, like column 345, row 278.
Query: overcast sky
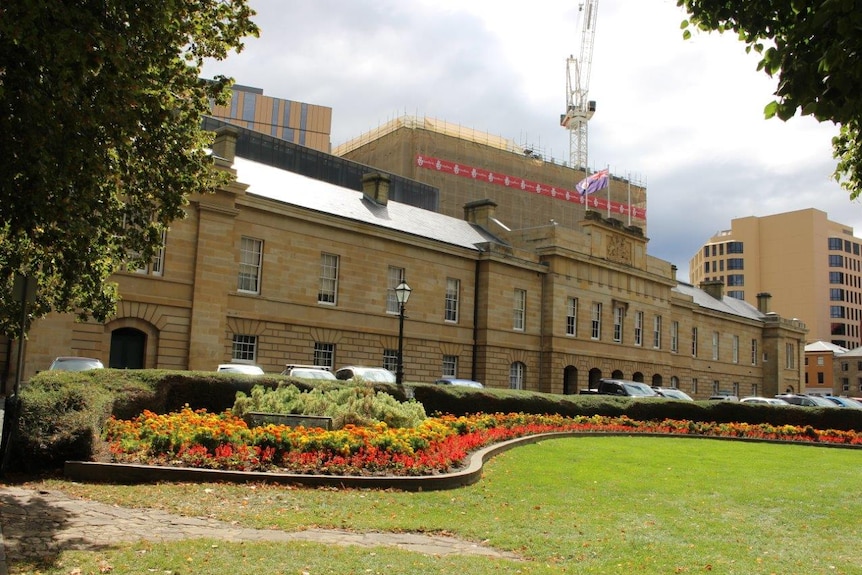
column 685, row 117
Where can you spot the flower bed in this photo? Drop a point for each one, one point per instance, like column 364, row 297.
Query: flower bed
column 439, row 444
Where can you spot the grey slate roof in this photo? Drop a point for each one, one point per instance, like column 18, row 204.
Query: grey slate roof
column 298, row 190
column 826, row 346
column 727, row 304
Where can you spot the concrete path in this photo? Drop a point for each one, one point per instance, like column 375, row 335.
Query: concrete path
column 44, row 523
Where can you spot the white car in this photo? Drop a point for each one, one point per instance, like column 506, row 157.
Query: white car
column 365, row 374
column 763, row 400
column 74, row 363
column 308, row 372
column 243, row 368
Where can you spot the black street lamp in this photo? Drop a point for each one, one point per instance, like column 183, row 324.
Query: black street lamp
column 402, row 294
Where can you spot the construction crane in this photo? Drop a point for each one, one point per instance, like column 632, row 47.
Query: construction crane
column 579, row 109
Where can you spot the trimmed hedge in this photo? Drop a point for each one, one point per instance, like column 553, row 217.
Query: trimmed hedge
column 62, row 414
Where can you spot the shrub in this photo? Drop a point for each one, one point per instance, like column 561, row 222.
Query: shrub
column 356, row 405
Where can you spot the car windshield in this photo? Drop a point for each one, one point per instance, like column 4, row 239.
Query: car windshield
column 641, row 389
column 312, row 374
column 75, row 364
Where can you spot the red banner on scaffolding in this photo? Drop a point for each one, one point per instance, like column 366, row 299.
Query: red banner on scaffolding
column 593, row 201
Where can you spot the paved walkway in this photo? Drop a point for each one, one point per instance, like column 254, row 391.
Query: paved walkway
column 41, row 524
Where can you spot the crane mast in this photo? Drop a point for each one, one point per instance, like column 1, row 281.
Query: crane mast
column 579, row 108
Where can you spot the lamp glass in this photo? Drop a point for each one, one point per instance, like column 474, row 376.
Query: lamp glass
column 402, row 293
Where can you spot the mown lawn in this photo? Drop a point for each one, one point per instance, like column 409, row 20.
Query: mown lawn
column 599, row 505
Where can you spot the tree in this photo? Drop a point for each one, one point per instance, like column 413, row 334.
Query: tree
column 813, row 47
column 101, row 103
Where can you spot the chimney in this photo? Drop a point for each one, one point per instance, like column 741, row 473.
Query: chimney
column 714, row 288
column 375, row 187
column 763, row 302
column 224, row 145
column 480, row 212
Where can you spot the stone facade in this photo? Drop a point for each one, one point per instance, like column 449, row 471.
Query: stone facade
column 510, row 320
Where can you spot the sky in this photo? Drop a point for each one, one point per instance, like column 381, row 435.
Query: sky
column 683, row 117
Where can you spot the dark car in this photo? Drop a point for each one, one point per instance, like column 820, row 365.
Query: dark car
column 72, row 363
column 458, row 381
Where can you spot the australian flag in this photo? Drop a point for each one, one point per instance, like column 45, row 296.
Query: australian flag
column 593, row 183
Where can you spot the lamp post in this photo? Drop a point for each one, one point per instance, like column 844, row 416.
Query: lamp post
column 402, row 294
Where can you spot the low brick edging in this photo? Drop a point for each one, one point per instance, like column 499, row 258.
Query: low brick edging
column 126, row 473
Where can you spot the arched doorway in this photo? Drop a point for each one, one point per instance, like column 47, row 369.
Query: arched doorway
column 638, row 376
column 595, row 376
column 128, row 346
column 570, row 380
column 656, row 380
column 617, row 374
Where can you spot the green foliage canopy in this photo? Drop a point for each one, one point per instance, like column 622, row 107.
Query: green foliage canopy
column 100, row 113
column 814, row 49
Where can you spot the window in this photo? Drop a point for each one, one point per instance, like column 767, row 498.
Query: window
column 674, row 336
column 736, row 294
column 516, row 375
column 820, row 378
column 836, row 261
column 835, row 243
column 694, row 342
column 324, row 354
column 715, row 345
column 394, row 276
column 639, row 328
column 735, row 348
column 250, row 255
column 694, row 385
column 716, row 387
column 390, row 360
column 819, row 360
column 845, row 384
column 735, row 280
column 596, row 331
column 753, row 389
column 735, row 263
column 836, row 294
column 450, row 366
column 520, row 309
column 618, row 323
column 790, row 361
column 736, row 388
column 844, row 366
column 836, row 278
column 328, row 280
column 453, row 289
column 244, row 348
column 734, row 247
column 754, row 352
column 656, row 332
column 836, row 311
column 572, row 316
column 157, row 266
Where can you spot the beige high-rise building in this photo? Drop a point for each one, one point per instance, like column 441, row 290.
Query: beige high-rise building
column 810, row 265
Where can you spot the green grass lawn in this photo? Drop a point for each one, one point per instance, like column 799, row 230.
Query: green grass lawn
column 601, row 505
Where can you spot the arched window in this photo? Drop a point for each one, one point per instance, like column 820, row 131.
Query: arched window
column 517, row 372
column 570, row 380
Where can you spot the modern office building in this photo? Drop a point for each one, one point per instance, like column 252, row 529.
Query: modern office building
column 811, row 266
column 278, row 268
column 308, row 125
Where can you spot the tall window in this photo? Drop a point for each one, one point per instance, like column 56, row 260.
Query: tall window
column 324, row 354
column 639, row 328
column 157, row 266
column 715, row 345
column 694, row 385
column 453, row 289
column 520, row 309
column 596, row 332
column 694, row 342
column 735, row 349
column 250, row 256
column 618, row 323
column 328, row 280
column 572, row 316
column 450, row 366
column 656, row 332
column 674, row 336
column 244, row 348
column 394, row 276
column 390, row 360
column 517, row 373
column 790, row 362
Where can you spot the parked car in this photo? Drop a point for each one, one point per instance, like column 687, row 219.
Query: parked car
column 365, row 373
column 621, row 387
column 805, row 400
column 458, row 381
column 309, row 372
column 723, row 397
column 763, row 400
column 672, row 393
column 70, row 363
column 843, row 401
column 244, row 368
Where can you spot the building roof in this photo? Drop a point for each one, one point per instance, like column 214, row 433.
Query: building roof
column 323, row 197
column 825, row 346
column 726, row 304
column 855, row 352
